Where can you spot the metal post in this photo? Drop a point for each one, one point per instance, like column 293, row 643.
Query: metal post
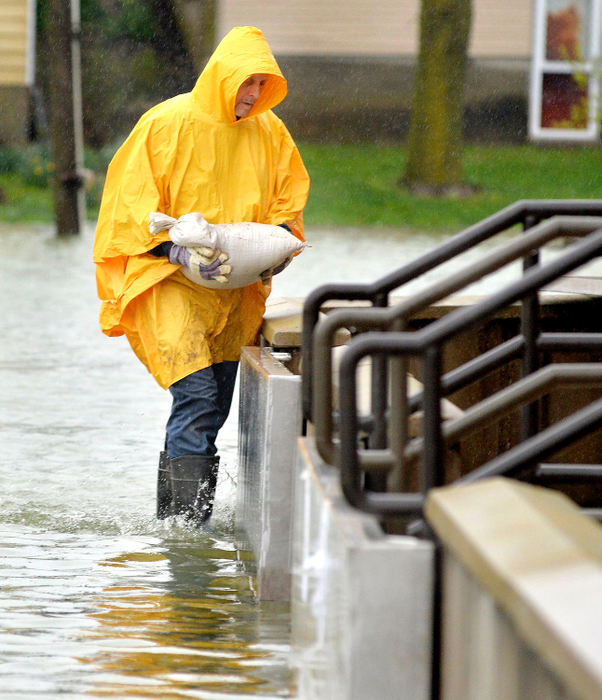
column 530, row 331
column 433, row 442
column 398, row 479
column 378, row 436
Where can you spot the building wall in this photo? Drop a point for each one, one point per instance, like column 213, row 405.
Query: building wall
column 350, row 65
column 17, row 36
column 502, row 29
column 15, row 44
column 365, row 28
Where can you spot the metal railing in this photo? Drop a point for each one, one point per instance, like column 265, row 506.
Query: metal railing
column 526, row 213
column 383, row 337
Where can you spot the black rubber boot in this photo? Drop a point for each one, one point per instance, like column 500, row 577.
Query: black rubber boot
column 193, row 482
column 164, row 494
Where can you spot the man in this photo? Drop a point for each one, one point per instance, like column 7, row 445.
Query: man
column 221, row 151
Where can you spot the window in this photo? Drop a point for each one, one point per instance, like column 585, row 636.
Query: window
column 565, row 75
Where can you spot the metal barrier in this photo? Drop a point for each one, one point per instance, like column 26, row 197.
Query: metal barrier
column 382, row 336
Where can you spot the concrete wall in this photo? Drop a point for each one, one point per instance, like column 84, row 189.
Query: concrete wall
column 351, row 99
column 269, row 423
column 361, row 601
column 522, row 605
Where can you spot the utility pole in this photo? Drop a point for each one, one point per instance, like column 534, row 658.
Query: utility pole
column 65, row 107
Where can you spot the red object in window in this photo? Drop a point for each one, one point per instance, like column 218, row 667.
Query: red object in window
column 562, row 35
column 563, row 102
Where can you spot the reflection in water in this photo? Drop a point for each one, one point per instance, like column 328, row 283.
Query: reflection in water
column 202, row 636
column 175, row 617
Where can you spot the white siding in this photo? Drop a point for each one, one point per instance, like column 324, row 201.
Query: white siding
column 15, row 43
column 315, row 27
column 503, row 29
column 367, row 28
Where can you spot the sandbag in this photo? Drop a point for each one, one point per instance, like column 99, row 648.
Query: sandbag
column 251, row 248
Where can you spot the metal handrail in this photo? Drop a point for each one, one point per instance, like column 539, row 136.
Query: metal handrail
column 569, row 471
column 369, row 319
column 508, row 351
column 525, row 212
column 427, row 344
column 506, row 400
column 527, row 453
column 542, row 445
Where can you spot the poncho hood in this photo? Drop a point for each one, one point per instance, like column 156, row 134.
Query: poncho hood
column 243, row 52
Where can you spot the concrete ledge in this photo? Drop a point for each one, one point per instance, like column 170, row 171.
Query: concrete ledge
column 283, row 322
column 537, row 558
column 361, row 600
column 269, row 423
column 577, row 285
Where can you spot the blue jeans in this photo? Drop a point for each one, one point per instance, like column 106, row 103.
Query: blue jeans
column 201, row 403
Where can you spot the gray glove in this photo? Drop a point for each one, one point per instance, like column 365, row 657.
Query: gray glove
column 206, row 262
column 267, row 275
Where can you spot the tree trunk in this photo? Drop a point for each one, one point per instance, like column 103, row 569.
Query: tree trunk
column 197, row 21
column 67, row 181
column 171, row 42
column 435, row 141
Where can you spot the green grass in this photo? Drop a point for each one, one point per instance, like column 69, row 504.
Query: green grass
column 356, row 185
column 22, row 202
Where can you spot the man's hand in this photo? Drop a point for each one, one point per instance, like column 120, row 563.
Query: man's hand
column 206, row 262
column 267, row 275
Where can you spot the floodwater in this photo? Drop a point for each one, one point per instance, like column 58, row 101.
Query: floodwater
column 97, row 597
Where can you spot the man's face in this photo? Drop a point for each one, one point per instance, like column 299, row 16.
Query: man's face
column 248, row 93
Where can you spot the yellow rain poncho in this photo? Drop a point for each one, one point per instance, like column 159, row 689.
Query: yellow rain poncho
column 191, row 154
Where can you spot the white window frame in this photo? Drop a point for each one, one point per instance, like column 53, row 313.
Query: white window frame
column 590, row 68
